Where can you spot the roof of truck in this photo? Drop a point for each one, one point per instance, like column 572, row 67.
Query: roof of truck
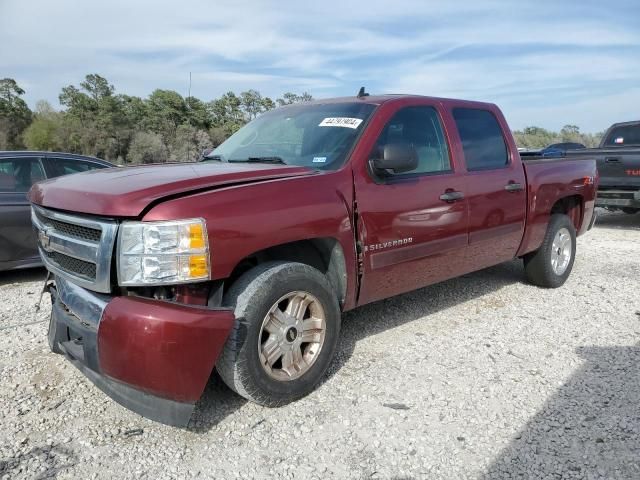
column 391, row 97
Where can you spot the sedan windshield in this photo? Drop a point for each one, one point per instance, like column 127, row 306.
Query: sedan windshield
column 313, row 135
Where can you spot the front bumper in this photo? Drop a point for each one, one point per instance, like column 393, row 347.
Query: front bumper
column 153, row 357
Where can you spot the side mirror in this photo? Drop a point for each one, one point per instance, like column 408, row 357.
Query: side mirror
column 396, row 158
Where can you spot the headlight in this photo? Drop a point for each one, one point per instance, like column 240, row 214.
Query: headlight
column 161, row 253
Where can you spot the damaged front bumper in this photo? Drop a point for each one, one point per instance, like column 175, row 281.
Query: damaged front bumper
column 153, row 357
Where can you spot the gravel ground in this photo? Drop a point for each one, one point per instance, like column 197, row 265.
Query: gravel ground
column 479, row 377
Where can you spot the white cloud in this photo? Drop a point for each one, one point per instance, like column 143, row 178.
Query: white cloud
column 558, row 50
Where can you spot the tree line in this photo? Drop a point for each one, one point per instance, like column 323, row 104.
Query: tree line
column 126, row 129
column 536, row 137
column 165, row 126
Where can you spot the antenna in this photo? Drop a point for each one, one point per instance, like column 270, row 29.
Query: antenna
column 362, row 93
column 190, row 124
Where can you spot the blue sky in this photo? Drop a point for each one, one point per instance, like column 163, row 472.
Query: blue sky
column 546, row 63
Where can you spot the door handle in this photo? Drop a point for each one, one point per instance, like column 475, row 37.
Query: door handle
column 451, row 196
column 513, row 187
column 612, row 159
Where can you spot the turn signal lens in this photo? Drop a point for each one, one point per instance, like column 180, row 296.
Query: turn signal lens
column 198, row 266
column 196, row 236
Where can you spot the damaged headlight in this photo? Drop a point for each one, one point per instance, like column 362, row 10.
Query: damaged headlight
column 162, row 253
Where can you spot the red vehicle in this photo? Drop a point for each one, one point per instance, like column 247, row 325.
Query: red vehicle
column 244, row 262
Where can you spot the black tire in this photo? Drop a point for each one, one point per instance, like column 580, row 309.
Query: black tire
column 630, row 210
column 537, row 265
column 251, row 297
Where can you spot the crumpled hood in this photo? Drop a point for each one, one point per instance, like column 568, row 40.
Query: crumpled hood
column 127, row 191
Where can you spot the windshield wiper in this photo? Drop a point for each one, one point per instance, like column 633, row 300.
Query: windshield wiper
column 215, row 158
column 259, row 160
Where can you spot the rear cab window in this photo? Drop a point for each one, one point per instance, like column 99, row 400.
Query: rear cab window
column 623, row 135
column 482, row 139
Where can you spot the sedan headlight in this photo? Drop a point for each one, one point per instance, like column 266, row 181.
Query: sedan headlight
column 162, row 253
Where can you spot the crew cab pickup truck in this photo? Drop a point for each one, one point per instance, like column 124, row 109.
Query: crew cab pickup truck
column 244, row 262
column 618, row 162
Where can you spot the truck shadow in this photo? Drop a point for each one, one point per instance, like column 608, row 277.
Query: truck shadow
column 390, row 313
column 618, row 220
column 588, row 429
column 22, row 276
column 218, row 401
column 54, row 460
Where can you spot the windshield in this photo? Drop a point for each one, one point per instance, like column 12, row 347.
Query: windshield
column 313, row 135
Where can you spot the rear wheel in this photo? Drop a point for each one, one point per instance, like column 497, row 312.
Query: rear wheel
column 551, row 264
column 630, row 210
column 285, row 335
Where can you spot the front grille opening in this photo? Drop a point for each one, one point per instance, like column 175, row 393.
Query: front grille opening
column 71, row 229
column 73, row 265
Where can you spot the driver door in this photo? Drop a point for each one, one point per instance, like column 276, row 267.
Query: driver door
column 412, row 231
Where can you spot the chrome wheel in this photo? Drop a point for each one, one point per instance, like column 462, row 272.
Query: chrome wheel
column 291, row 336
column 561, row 250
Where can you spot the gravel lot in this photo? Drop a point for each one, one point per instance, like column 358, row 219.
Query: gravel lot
column 479, row 377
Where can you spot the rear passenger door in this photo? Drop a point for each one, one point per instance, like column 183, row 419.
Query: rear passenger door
column 17, row 239
column 495, row 187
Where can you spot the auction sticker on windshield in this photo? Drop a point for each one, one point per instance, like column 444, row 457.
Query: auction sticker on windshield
column 341, row 122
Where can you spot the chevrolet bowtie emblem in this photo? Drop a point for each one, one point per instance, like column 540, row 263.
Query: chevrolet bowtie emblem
column 44, row 241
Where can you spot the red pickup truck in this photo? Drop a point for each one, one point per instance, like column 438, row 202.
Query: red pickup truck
column 245, row 261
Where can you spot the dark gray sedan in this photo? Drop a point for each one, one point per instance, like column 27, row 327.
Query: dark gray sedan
column 18, row 171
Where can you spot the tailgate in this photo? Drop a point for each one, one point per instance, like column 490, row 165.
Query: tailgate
column 619, row 169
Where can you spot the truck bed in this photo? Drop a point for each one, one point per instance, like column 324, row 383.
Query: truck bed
column 549, row 178
column 618, row 168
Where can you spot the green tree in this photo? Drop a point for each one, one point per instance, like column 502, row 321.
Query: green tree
column 15, row 115
column 78, row 103
column 166, row 111
column 43, row 133
column 289, row 98
column 268, row 104
column 198, row 114
column 189, row 144
column 104, row 128
column 252, row 104
column 133, row 108
column 97, row 87
column 226, row 113
column 536, row 137
column 147, row 147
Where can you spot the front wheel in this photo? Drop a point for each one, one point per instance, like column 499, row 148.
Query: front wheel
column 285, row 334
column 630, row 210
column 551, row 264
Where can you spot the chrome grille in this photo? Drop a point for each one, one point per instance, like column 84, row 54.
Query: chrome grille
column 73, row 265
column 76, row 247
column 76, row 231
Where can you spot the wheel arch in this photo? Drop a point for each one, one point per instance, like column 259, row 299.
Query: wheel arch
column 323, row 253
column 573, row 207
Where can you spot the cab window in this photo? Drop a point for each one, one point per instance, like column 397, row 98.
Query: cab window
column 623, row 135
column 67, row 166
column 482, row 139
column 420, row 128
column 17, row 175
